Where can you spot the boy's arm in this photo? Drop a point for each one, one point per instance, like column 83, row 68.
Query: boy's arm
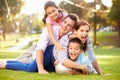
column 70, row 64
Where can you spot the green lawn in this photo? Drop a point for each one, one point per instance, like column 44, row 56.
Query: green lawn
column 107, row 56
column 109, row 60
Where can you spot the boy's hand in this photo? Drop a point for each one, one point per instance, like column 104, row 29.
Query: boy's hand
column 85, row 70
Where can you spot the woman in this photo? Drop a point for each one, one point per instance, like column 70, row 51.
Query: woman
column 82, row 31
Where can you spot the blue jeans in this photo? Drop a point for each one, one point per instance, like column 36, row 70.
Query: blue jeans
column 32, row 67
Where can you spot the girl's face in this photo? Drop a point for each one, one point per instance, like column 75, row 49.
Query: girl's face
column 82, row 33
column 52, row 12
column 74, row 50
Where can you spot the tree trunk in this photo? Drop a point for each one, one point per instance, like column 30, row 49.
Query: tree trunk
column 4, row 33
column 118, row 27
column 94, row 43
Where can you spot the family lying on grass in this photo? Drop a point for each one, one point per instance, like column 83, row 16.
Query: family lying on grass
column 60, row 48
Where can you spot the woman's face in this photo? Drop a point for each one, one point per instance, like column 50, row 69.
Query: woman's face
column 52, row 12
column 74, row 50
column 82, row 33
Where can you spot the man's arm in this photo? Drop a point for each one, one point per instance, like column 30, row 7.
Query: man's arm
column 39, row 61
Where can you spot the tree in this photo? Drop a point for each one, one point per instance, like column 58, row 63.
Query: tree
column 74, row 6
column 85, row 11
column 115, row 14
column 8, row 9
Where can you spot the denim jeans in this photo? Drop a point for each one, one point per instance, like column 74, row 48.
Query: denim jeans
column 32, row 67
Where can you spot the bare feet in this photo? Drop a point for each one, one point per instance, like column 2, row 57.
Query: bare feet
column 43, row 72
column 2, row 64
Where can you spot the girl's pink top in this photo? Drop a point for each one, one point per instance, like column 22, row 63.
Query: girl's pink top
column 53, row 22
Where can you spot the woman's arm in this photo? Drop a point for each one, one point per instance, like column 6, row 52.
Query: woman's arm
column 97, row 67
column 92, row 57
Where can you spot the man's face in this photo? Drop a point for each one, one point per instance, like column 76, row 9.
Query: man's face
column 74, row 50
column 66, row 26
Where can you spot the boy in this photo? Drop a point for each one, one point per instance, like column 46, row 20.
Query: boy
column 75, row 52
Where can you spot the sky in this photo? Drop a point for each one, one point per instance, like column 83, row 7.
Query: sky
column 37, row 6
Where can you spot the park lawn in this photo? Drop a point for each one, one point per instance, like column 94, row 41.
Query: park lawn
column 108, row 58
column 16, row 39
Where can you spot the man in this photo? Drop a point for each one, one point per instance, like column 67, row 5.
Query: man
column 43, row 62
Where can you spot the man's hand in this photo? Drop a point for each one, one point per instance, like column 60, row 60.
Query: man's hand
column 43, row 72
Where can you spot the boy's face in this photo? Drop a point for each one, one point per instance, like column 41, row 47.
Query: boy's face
column 74, row 50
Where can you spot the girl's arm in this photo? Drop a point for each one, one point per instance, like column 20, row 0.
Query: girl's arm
column 52, row 37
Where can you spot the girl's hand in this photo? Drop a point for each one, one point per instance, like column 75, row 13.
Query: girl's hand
column 56, row 62
column 59, row 47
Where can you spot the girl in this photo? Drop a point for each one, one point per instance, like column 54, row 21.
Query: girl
column 53, row 16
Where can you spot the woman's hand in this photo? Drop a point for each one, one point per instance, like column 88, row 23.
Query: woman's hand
column 72, row 36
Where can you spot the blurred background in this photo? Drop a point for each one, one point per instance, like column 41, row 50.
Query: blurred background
column 21, row 21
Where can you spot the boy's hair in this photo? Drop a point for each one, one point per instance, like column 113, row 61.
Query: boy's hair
column 74, row 17
column 76, row 40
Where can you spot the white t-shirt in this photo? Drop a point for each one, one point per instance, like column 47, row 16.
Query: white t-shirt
column 44, row 39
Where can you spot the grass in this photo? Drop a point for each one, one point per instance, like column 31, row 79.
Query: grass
column 108, row 59
column 107, row 56
column 11, row 40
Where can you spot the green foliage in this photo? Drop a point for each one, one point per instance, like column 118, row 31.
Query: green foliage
column 13, row 5
column 71, row 8
column 115, row 10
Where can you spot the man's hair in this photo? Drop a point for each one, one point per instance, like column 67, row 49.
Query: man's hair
column 74, row 17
